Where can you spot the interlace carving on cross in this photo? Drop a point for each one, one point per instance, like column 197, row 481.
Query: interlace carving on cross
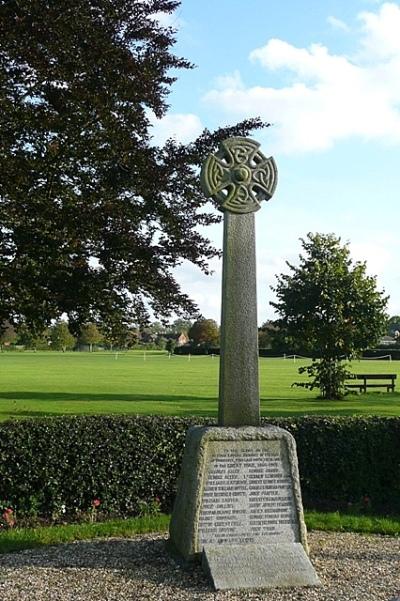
column 239, row 176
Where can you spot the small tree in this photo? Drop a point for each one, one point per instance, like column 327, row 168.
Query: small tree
column 90, row 334
column 393, row 326
column 330, row 308
column 60, row 337
column 170, row 345
column 8, row 335
column 31, row 339
column 204, row 332
column 267, row 335
column 122, row 335
column 132, row 338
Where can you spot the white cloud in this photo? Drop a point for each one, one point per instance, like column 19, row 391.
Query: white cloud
column 338, row 24
column 382, row 31
column 378, row 257
column 184, row 127
column 205, row 290
column 234, row 80
column 329, row 96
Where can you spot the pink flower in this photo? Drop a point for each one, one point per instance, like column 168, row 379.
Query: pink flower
column 96, row 503
column 8, row 517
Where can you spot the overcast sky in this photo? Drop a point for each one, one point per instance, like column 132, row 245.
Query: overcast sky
column 327, row 75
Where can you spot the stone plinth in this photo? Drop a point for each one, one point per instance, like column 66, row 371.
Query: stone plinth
column 239, row 491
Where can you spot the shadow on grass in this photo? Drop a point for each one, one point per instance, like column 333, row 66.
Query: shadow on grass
column 105, row 398
column 187, row 405
column 306, row 411
column 26, row 395
column 10, row 415
column 101, row 404
column 381, row 403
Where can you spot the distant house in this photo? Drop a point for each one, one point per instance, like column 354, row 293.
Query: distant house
column 181, row 339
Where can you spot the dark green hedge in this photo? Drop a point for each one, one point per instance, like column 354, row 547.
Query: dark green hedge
column 124, row 461
column 188, row 349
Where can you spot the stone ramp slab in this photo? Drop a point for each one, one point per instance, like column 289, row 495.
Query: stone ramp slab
column 258, row 566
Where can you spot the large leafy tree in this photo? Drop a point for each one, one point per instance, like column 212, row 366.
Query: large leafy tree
column 93, row 217
column 329, row 307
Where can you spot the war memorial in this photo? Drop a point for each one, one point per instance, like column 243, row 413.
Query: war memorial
column 238, row 508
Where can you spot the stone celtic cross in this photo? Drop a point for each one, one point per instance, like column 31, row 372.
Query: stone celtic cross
column 238, row 177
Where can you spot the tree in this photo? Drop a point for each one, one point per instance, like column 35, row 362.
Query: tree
column 90, row 334
column 180, row 326
column 94, row 218
column 8, row 335
column 122, row 335
column 268, row 335
column 170, row 345
column 61, row 338
column 393, row 326
column 204, row 332
column 329, row 308
column 32, row 340
column 156, row 328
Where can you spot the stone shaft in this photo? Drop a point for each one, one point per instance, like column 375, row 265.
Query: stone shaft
column 239, row 403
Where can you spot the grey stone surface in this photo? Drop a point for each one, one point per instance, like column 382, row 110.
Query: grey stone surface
column 258, row 566
column 237, row 486
column 239, row 176
column 239, row 402
column 248, row 494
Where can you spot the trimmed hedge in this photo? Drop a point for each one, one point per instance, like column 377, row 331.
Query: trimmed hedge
column 345, row 463
column 187, row 349
column 190, row 349
column 379, row 352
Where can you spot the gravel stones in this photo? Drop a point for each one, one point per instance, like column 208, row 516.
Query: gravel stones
column 352, row 567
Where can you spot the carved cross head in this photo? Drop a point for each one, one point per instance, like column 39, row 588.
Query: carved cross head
column 238, row 177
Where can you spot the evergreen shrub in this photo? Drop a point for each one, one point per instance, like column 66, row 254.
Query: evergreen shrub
column 127, row 461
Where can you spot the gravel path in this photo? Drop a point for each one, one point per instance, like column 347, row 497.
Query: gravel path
column 351, row 567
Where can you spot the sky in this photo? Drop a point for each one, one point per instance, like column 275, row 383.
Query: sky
column 326, row 74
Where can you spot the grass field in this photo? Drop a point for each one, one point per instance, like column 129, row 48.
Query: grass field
column 43, row 384
column 29, row 538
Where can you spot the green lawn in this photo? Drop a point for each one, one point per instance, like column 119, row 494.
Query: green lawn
column 29, row 538
column 40, row 384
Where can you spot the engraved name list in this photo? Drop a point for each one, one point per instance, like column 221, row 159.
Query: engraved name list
column 248, row 495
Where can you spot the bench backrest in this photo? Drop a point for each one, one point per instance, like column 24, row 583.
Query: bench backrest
column 374, row 376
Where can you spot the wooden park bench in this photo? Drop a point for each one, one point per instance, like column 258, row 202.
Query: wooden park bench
column 364, row 381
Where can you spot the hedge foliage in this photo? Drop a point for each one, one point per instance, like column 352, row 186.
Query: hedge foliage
column 127, row 461
column 188, row 349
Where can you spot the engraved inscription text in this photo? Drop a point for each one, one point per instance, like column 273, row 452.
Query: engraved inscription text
column 248, row 495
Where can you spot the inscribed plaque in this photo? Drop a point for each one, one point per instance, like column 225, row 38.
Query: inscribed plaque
column 247, row 494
